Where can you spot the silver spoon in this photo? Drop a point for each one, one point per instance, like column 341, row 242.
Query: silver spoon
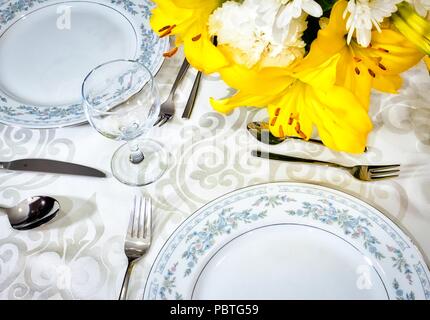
column 261, row 132
column 32, row 212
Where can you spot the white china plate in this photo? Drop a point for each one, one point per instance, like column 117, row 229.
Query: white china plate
column 288, row 241
column 47, row 47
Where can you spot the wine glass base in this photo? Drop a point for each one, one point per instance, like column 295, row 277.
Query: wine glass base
column 147, row 171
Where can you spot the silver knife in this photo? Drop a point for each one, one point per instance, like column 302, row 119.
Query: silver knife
column 192, row 98
column 51, row 166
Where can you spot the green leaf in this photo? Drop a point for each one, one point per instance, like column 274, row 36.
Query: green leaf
column 311, row 31
column 326, row 5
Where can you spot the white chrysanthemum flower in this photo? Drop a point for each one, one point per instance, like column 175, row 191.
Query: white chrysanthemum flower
column 293, row 9
column 365, row 14
column 250, row 32
column 421, row 6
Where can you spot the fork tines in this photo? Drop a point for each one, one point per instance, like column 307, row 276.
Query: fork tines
column 140, row 223
column 378, row 172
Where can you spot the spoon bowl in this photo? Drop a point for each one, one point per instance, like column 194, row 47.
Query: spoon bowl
column 261, row 132
column 32, row 212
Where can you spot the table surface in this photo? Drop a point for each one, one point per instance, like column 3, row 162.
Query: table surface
column 79, row 255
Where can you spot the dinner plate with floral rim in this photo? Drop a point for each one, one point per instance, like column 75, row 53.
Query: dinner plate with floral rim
column 47, row 47
column 288, row 241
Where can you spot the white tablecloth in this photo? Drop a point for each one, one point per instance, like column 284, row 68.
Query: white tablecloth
column 79, row 255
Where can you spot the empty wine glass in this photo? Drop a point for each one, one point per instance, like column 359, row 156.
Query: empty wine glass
column 121, row 102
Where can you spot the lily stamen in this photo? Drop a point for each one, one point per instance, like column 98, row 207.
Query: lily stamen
column 197, row 37
column 170, row 53
column 164, row 28
column 167, row 31
column 302, row 135
column 380, row 65
column 273, row 122
column 300, row 132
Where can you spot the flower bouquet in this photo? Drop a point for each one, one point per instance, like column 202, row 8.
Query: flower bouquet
column 312, row 63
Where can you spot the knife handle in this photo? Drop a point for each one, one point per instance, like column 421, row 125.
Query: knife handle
column 192, row 98
column 281, row 157
column 182, row 71
column 3, row 165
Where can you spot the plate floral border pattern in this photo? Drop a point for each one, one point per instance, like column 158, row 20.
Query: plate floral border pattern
column 356, row 221
column 151, row 48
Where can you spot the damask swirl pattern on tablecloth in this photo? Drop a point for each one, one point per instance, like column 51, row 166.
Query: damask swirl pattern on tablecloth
column 80, row 255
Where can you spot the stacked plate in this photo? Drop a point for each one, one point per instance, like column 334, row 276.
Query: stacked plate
column 288, row 241
column 47, row 47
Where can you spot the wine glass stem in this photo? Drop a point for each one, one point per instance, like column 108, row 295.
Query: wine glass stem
column 136, row 155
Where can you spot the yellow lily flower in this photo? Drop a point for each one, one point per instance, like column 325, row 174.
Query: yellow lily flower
column 360, row 69
column 427, row 61
column 298, row 99
column 187, row 20
column 413, row 26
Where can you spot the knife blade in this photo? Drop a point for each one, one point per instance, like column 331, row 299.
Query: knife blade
column 51, row 166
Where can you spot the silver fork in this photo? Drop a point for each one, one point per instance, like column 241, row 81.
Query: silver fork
column 360, row 172
column 138, row 237
column 167, row 109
